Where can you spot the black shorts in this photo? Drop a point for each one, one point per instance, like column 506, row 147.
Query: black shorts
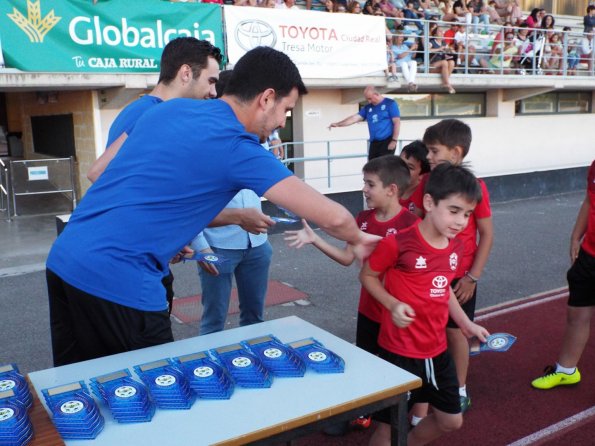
column 168, row 284
column 468, row 307
column 366, row 335
column 441, row 392
column 380, row 148
column 85, row 327
column 581, row 281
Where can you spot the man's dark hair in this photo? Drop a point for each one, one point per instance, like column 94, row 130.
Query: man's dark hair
column 221, row 84
column 391, row 170
column 418, row 150
column 451, row 133
column 262, row 68
column 448, row 179
column 186, row 51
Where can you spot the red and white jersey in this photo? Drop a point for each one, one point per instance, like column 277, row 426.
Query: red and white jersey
column 367, row 222
column 468, row 235
column 419, row 275
column 589, row 241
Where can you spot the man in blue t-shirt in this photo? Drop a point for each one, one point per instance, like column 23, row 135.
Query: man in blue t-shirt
column 384, row 122
column 183, row 163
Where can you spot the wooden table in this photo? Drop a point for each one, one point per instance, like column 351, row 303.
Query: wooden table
column 292, row 407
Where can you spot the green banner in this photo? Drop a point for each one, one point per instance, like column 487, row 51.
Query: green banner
column 106, row 36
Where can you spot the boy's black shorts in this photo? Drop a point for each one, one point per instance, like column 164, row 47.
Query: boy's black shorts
column 581, row 281
column 468, row 307
column 442, row 392
column 366, row 335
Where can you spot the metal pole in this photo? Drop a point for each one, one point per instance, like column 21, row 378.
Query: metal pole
column 328, row 164
column 72, row 185
column 14, row 200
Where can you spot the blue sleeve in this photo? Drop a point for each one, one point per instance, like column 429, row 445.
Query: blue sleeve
column 253, row 167
column 362, row 112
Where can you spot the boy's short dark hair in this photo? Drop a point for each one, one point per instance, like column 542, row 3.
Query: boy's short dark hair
column 391, row 170
column 447, row 179
column 451, row 133
column 262, row 68
column 222, row 82
column 186, row 50
column 418, row 150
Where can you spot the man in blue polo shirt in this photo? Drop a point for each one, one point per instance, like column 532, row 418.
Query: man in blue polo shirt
column 384, row 122
column 184, row 161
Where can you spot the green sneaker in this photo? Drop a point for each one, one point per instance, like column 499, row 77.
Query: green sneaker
column 551, row 378
column 465, row 403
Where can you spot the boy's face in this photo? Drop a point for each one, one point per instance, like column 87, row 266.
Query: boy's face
column 414, row 166
column 451, row 215
column 439, row 153
column 376, row 195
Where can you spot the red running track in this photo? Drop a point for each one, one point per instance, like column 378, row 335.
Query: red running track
column 506, row 410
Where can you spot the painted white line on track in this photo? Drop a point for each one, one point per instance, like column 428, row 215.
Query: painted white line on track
column 522, row 306
column 555, row 428
column 20, row 270
column 520, row 300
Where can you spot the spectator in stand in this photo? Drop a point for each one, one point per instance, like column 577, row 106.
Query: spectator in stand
column 460, row 10
column 589, row 19
column 353, row 7
column 316, row 5
column 553, row 54
column 479, row 14
column 391, row 70
column 430, row 9
column 441, row 58
column 414, row 15
column 492, row 11
column 514, row 12
column 465, row 51
column 268, row 4
column 287, row 4
column 329, row 6
column 572, row 58
column 371, row 6
column 449, row 35
column 447, row 9
column 403, row 56
column 585, row 49
column 534, row 19
column 503, row 54
column 389, row 9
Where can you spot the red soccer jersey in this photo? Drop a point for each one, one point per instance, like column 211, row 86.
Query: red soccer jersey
column 468, row 235
column 407, row 203
column 367, row 222
column 589, row 241
column 419, row 275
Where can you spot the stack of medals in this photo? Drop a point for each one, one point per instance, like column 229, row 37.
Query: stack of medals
column 15, row 426
column 206, row 376
column 245, row 368
column 317, row 357
column 74, row 411
column 167, row 385
column 11, row 379
column 127, row 399
column 280, row 359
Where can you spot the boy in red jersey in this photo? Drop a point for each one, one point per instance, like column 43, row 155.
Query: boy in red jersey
column 449, row 141
column 384, row 180
column 581, row 299
column 418, row 265
column 415, row 155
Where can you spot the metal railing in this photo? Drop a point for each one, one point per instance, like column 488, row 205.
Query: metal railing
column 41, row 177
column 485, row 48
column 329, row 161
column 4, row 199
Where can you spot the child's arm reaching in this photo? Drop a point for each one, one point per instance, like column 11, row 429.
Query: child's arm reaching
column 401, row 313
column 469, row 328
column 305, row 236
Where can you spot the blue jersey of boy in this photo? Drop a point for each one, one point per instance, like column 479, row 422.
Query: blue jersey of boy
column 184, row 161
column 125, row 121
column 380, row 118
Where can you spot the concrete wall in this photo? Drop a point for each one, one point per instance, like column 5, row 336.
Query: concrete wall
column 503, row 143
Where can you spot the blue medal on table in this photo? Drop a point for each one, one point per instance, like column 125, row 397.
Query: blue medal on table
column 11, row 379
column 74, row 412
column 246, row 369
column 317, row 357
column 167, row 384
column 127, row 399
column 497, row 342
column 206, row 376
column 15, row 426
column 280, row 359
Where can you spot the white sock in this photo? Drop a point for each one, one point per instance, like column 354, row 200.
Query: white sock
column 568, row 371
column 463, row 391
column 415, row 420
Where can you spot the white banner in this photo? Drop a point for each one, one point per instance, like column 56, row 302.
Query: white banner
column 322, row 45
